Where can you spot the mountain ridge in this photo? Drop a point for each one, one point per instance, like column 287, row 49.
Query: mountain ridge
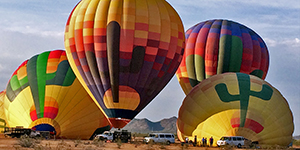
column 144, row 125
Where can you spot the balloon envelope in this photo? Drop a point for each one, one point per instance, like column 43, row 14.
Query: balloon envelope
column 219, row 46
column 233, row 104
column 44, row 94
column 124, row 52
column 2, row 115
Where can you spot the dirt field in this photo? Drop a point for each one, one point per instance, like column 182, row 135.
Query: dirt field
column 59, row 144
column 62, row 144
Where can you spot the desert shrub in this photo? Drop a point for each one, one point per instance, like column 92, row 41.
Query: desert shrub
column 227, row 147
column 62, row 145
column 163, row 145
column 119, row 143
column 77, row 142
column 150, row 145
column 89, row 148
column 184, row 146
column 274, row 147
column 40, row 147
column 26, row 141
column 98, row 143
column 136, row 143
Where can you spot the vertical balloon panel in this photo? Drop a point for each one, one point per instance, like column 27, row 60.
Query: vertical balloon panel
column 2, row 115
column 124, row 52
column 44, row 94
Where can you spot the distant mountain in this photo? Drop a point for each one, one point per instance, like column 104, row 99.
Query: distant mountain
column 147, row 126
column 296, row 137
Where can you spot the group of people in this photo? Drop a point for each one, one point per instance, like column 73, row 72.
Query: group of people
column 203, row 141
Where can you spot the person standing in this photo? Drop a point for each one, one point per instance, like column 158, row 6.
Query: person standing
column 195, row 140
column 211, row 141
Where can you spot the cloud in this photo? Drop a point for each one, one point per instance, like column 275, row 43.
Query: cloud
column 294, row 43
column 16, row 47
column 36, row 31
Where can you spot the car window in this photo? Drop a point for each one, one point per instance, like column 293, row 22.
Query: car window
column 234, row 138
column 168, row 136
column 226, row 138
column 151, row 135
column 239, row 138
column 161, row 136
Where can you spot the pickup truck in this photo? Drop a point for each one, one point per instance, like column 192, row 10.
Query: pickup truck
column 105, row 136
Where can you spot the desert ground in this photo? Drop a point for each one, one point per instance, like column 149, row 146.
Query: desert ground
column 7, row 143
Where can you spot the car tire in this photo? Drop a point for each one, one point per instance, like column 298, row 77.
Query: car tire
column 168, row 142
column 239, row 145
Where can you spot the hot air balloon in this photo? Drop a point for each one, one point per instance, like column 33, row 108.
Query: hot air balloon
column 2, row 116
column 219, row 46
column 45, row 95
column 124, row 52
column 236, row 104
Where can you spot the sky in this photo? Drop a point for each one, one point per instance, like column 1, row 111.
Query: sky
column 31, row 27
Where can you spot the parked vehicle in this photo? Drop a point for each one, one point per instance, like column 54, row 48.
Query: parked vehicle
column 238, row 141
column 167, row 138
column 19, row 131
column 105, row 136
column 123, row 135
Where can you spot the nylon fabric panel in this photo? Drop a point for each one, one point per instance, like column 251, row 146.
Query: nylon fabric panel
column 211, row 49
column 236, row 49
column 225, row 47
column 211, row 110
column 248, row 53
column 33, row 82
column 182, row 76
column 2, row 114
column 41, row 64
column 17, row 112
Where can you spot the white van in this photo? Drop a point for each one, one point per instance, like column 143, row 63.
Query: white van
column 167, row 138
column 238, row 141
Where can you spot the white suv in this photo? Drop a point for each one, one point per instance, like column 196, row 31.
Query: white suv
column 238, row 141
column 167, row 138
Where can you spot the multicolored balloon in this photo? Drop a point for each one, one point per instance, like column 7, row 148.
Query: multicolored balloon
column 234, row 104
column 44, row 94
column 124, row 52
column 219, row 46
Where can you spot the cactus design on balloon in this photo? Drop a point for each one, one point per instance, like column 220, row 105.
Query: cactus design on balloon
column 245, row 93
